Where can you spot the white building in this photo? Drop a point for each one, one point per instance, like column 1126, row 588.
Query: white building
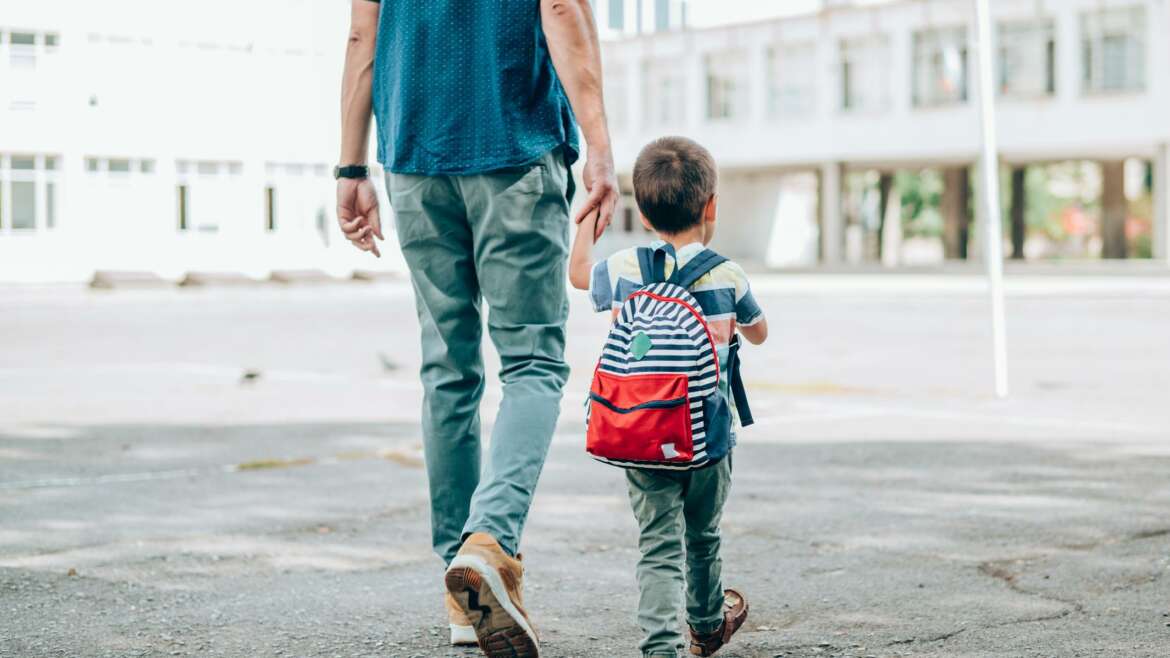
column 790, row 106
column 161, row 137
column 170, row 137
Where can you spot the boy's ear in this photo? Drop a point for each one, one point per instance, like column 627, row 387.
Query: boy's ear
column 645, row 222
column 710, row 210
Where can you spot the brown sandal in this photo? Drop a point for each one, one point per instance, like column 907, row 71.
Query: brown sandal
column 735, row 611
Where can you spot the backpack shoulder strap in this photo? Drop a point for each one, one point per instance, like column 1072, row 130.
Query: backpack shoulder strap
column 696, row 267
column 646, row 264
column 652, row 262
column 738, row 390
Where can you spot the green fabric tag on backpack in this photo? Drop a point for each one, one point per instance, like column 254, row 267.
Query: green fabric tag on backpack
column 640, row 345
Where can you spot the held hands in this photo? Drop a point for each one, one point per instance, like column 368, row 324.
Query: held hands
column 357, row 213
column 602, row 185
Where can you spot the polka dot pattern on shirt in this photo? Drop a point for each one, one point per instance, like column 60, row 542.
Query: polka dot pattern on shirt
column 465, row 87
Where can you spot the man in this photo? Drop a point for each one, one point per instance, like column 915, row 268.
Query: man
column 475, row 105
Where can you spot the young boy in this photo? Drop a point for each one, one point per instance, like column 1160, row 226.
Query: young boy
column 674, row 185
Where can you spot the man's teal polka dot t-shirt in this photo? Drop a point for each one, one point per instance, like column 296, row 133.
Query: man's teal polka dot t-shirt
column 466, row 87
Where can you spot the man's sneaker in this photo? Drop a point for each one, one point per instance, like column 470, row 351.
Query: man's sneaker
column 735, row 611
column 485, row 583
column 462, row 634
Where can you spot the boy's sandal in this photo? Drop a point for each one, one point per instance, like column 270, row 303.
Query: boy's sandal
column 735, row 611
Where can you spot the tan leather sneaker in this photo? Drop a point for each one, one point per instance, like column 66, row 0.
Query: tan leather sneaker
column 462, row 633
column 485, row 583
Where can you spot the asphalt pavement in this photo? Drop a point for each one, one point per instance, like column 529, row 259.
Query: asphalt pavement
column 238, row 472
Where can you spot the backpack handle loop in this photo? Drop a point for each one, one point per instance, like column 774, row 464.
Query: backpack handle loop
column 653, row 264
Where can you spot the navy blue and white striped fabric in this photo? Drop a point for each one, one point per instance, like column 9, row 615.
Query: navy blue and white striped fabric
column 680, row 343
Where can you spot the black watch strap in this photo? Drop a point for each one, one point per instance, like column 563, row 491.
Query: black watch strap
column 351, row 171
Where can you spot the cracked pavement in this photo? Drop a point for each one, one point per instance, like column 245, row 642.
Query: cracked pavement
column 238, row 473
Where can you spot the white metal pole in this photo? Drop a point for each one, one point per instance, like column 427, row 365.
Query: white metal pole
column 990, row 193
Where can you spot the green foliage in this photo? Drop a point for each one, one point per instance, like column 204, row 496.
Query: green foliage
column 921, row 194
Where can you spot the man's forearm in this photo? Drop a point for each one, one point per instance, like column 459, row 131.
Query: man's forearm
column 571, row 33
column 357, row 82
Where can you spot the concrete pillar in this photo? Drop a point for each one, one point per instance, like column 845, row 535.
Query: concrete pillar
column 1161, row 235
column 892, row 231
column 885, row 186
column 955, row 210
column 1113, row 209
column 1019, row 205
column 831, row 219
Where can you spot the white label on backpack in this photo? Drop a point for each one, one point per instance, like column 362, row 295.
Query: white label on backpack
column 668, row 451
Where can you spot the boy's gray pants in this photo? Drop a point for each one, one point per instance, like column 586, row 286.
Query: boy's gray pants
column 678, row 514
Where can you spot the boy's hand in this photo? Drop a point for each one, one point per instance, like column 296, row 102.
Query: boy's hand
column 357, row 213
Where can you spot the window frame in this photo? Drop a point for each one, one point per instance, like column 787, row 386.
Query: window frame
column 1094, row 62
column 929, row 47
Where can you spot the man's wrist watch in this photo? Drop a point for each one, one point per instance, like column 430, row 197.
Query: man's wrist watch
column 351, row 171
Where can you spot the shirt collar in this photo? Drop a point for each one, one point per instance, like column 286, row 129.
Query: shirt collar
column 685, row 252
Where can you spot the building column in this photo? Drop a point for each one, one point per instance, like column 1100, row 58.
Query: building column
column 1113, row 209
column 955, row 209
column 885, row 187
column 1161, row 234
column 832, row 223
column 1019, row 205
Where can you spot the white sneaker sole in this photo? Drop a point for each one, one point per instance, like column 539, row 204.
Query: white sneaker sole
column 462, row 636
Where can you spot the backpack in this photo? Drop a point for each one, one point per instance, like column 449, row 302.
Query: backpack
column 654, row 402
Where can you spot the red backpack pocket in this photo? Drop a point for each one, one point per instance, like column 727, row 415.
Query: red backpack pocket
column 640, row 418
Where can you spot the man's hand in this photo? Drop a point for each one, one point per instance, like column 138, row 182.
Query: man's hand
column 571, row 33
column 357, row 212
column 602, row 185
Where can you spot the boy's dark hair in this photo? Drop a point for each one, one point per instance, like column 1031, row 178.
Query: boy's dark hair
column 674, row 177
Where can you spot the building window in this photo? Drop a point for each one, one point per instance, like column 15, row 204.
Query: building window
column 661, row 15
column 22, row 50
column 183, row 208
column 24, row 205
column 792, row 79
column 617, row 15
column 663, row 93
column 940, row 67
column 865, row 74
column 1027, row 59
column 50, row 205
column 292, row 193
column 121, row 167
column 1113, row 48
column 28, row 192
column 726, row 85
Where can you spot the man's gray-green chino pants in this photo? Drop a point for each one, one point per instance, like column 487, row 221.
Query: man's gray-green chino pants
column 503, row 238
